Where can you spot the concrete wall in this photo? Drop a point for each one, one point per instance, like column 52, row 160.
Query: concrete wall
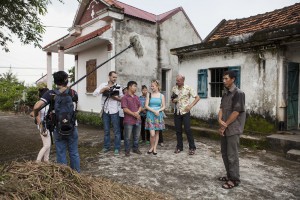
column 128, row 65
column 258, row 81
column 174, row 32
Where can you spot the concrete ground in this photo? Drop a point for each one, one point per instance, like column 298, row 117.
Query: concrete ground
column 264, row 174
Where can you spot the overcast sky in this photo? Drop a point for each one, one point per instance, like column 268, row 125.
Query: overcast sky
column 204, row 14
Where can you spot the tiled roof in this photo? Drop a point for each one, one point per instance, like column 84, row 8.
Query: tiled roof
column 164, row 16
column 141, row 14
column 136, row 12
column 270, row 20
column 89, row 36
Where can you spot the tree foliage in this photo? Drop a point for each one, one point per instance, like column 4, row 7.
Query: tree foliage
column 72, row 74
column 11, row 90
column 22, row 18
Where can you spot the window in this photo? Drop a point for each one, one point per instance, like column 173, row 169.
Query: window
column 91, row 80
column 216, row 81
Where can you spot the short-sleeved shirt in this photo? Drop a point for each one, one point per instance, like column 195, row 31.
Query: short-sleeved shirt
column 143, row 100
column 183, row 99
column 234, row 100
column 109, row 105
column 49, row 95
column 133, row 104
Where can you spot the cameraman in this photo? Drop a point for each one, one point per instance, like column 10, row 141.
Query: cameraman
column 111, row 95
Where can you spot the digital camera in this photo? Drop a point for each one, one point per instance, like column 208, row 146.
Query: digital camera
column 113, row 91
column 174, row 96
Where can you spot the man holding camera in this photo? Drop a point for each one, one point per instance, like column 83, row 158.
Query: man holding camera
column 181, row 98
column 111, row 96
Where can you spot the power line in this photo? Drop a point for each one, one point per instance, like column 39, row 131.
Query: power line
column 40, row 68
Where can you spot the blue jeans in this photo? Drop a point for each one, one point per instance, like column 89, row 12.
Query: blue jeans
column 132, row 131
column 70, row 143
column 115, row 120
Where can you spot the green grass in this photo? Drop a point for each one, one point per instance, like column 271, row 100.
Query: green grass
column 88, row 118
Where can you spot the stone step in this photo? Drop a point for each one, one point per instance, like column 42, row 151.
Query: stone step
column 293, row 154
column 284, row 143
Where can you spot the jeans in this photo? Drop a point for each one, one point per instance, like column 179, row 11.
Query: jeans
column 185, row 119
column 132, row 131
column 115, row 120
column 70, row 143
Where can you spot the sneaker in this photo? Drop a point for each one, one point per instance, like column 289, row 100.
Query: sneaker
column 122, row 141
column 127, row 153
column 105, row 150
column 147, row 142
column 161, row 144
column 116, row 153
column 142, row 141
column 137, row 151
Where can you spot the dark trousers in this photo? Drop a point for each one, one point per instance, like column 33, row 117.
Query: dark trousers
column 230, row 155
column 144, row 133
column 122, row 128
column 185, row 120
column 160, row 139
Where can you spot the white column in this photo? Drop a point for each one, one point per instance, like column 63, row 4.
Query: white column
column 76, row 71
column 61, row 62
column 281, row 101
column 110, row 53
column 49, row 70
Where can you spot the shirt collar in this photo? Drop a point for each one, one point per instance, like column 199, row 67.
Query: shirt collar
column 231, row 89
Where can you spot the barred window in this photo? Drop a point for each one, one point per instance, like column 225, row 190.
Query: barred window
column 216, row 81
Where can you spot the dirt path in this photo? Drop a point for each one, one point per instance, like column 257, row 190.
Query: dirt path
column 263, row 175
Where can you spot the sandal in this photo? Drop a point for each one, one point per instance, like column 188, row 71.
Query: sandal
column 177, row 151
column 192, row 152
column 230, row 184
column 224, row 178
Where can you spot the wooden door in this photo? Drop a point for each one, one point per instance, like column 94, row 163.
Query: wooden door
column 293, row 92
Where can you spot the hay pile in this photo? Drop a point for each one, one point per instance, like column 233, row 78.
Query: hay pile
column 31, row 180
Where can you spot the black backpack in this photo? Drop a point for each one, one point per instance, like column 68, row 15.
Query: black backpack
column 65, row 111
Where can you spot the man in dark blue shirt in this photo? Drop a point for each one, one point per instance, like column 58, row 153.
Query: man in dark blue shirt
column 62, row 143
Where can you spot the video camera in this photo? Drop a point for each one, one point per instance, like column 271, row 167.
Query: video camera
column 113, row 91
column 173, row 96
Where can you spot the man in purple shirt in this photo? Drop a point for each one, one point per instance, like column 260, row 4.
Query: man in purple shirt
column 131, row 106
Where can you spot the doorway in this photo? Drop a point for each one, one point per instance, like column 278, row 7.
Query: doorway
column 293, row 96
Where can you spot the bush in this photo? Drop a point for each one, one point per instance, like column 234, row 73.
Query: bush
column 88, row 118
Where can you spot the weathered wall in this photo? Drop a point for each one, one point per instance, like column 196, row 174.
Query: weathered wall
column 87, row 102
column 258, row 81
column 128, row 65
column 174, row 32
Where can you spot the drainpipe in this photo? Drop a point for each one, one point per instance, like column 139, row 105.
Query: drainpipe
column 159, row 65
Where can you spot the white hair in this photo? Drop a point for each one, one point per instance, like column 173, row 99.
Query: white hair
column 180, row 76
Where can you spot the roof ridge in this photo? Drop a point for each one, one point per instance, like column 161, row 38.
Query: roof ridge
column 134, row 7
column 171, row 10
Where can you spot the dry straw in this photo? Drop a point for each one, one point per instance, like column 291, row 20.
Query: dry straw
column 31, row 180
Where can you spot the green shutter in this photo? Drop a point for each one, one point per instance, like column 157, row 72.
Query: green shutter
column 202, row 83
column 237, row 69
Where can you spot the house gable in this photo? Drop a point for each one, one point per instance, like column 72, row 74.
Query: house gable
column 90, row 11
